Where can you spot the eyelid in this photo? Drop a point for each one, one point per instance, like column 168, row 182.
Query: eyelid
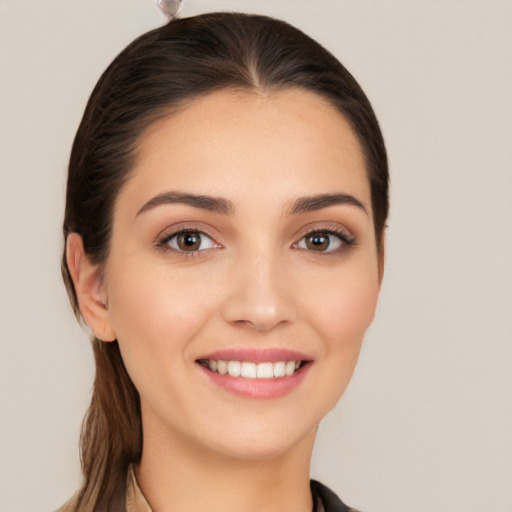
column 346, row 237
column 173, row 241
column 328, row 227
column 162, row 239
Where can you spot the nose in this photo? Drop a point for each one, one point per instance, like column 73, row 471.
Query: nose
column 259, row 295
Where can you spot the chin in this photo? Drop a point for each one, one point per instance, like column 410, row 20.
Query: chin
column 263, row 448
column 263, row 441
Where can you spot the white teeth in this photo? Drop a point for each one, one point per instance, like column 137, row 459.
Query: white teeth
column 234, row 368
column 279, row 369
column 290, row 368
column 265, row 371
column 222, row 367
column 250, row 370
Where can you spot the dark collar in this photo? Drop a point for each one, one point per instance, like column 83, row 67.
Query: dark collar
column 329, row 500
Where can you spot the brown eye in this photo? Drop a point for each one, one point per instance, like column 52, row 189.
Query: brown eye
column 318, row 241
column 189, row 241
column 324, row 241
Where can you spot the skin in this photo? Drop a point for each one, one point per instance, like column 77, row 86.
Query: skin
column 254, row 283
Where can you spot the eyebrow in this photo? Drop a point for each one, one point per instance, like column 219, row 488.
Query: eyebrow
column 212, row 204
column 226, row 207
column 317, row 202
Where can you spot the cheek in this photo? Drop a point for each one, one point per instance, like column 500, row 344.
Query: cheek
column 155, row 312
column 343, row 308
column 346, row 313
column 340, row 313
column 352, row 311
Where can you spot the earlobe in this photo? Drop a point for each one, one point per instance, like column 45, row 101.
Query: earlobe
column 89, row 289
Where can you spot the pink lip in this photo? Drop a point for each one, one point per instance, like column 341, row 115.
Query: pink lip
column 257, row 355
column 257, row 388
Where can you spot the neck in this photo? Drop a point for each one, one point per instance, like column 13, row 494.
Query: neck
column 174, row 475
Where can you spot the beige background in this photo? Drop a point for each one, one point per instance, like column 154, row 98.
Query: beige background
column 426, row 424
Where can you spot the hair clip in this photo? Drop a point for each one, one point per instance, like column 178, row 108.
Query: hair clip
column 171, row 8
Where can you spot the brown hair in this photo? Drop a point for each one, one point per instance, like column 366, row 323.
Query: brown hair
column 158, row 72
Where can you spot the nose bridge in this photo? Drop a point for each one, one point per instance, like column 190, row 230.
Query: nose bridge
column 258, row 292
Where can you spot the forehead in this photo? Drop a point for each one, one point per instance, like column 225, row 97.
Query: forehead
column 228, row 141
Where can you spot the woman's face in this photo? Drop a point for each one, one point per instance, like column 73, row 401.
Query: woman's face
column 243, row 242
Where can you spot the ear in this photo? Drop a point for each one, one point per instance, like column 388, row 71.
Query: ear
column 89, row 288
column 382, row 258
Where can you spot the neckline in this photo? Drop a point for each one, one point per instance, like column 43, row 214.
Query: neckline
column 136, row 501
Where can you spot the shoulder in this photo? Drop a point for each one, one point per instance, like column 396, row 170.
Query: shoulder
column 328, row 499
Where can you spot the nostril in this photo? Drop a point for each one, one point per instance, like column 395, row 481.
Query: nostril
column 251, row 313
column 260, row 324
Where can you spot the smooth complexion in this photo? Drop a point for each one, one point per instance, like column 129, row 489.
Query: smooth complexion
column 245, row 230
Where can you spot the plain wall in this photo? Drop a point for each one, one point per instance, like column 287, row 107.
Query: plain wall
column 426, row 423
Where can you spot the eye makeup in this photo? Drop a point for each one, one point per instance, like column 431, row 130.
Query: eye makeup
column 191, row 240
column 186, row 240
column 325, row 239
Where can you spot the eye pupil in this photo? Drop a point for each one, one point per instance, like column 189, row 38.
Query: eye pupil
column 189, row 241
column 317, row 241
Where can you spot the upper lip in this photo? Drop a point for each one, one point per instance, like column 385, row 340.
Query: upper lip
column 256, row 355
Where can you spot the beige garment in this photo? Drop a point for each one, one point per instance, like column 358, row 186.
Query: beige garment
column 135, row 501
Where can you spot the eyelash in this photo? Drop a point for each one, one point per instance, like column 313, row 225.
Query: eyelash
column 163, row 242
column 345, row 239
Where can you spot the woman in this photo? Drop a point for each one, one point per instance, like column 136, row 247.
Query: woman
column 226, row 205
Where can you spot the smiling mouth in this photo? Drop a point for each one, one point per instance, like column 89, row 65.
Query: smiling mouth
column 250, row 370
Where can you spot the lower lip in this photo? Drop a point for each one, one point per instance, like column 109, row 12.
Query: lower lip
column 262, row 389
